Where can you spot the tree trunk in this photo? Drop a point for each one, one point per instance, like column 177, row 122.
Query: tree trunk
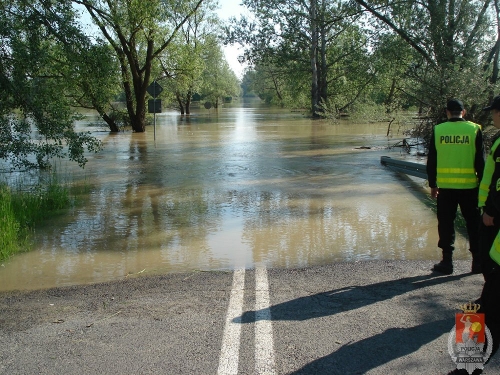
column 322, row 52
column 494, row 74
column 111, row 123
column 188, row 103
column 390, row 97
column 179, row 101
column 312, row 54
column 113, row 127
column 139, row 125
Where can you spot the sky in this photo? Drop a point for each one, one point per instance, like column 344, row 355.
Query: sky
column 232, row 8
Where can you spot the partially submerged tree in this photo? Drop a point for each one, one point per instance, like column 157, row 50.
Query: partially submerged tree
column 218, row 80
column 449, row 39
column 36, row 116
column 139, row 31
column 297, row 36
column 183, row 63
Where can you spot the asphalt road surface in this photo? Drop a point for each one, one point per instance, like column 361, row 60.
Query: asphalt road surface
column 377, row 317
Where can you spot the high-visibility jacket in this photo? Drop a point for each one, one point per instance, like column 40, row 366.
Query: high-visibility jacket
column 456, row 149
column 495, row 249
column 489, row 168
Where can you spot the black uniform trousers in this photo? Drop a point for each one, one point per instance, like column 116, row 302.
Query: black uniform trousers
column 448, row 200
column 490, row 306
column 486, row 237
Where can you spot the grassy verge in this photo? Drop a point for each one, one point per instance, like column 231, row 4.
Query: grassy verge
column 21, row 210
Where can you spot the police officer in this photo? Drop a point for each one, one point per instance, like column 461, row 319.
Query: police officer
column 454, row 168
column 490, row 295
column 490, row 221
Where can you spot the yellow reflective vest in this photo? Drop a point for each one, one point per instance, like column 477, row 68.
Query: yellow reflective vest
column 489, row 168
column 456, row 148
column 495, row 249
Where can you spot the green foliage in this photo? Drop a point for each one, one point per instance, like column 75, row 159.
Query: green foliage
column 9, row 226
column 36, row 117
column 390, row 54
column 21, row 210
column 218, row 80
column 450, row 43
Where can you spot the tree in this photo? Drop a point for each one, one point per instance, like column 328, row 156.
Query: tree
column 183, row 61
column 36, row 117
column 448, row 38
column 218, row 80
column 248, row 88
column 269, row 83
column 298, row 35
column 139, row 31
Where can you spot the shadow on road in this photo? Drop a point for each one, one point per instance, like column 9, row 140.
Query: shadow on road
column 361, row 356
column 358, row 357
column 347, row 298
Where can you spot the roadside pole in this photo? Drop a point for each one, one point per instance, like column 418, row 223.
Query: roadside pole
column 154, row 105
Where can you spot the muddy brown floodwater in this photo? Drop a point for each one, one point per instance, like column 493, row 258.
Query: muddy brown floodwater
column 245, row 186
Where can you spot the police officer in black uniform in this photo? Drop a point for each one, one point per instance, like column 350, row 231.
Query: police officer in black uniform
column 454, row 168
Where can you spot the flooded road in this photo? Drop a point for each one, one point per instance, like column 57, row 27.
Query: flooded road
column 243, row 187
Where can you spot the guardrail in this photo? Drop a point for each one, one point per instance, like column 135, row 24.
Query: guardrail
column 413, row 169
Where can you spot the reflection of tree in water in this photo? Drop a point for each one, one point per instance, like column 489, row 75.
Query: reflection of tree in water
column 297, row 228
column 162, row 216
column 139, row 209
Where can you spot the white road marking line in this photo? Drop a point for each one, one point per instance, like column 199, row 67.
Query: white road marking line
column 264, row 347
column 229, row 356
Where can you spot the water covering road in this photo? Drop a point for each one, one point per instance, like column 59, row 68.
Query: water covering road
column 242, row 187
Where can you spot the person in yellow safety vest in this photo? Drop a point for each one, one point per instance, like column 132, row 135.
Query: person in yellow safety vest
column 490, row 295
column 455, row 166
column 490, row 221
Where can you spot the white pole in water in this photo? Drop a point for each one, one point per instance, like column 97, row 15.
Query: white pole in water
column 154, row 112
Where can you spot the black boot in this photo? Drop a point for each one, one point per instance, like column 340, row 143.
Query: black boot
column 445, row 266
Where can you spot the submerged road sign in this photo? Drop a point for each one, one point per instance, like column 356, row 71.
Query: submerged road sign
column 154, row 89
column 154, row 105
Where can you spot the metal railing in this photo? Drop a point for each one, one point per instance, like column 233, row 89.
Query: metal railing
column 413, row 169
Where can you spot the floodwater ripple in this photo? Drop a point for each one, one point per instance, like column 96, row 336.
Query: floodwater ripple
column 238, row 188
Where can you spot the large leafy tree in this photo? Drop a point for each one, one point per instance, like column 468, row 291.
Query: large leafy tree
column 269, row 82
column 450, row 40
column 138, row 32
column 297, row 36
column 183, row 61
column 218, row 80
column 36, row 114
column 93, row 82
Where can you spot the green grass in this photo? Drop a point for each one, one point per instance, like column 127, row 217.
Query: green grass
column 21, row 210
column 9, row 226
